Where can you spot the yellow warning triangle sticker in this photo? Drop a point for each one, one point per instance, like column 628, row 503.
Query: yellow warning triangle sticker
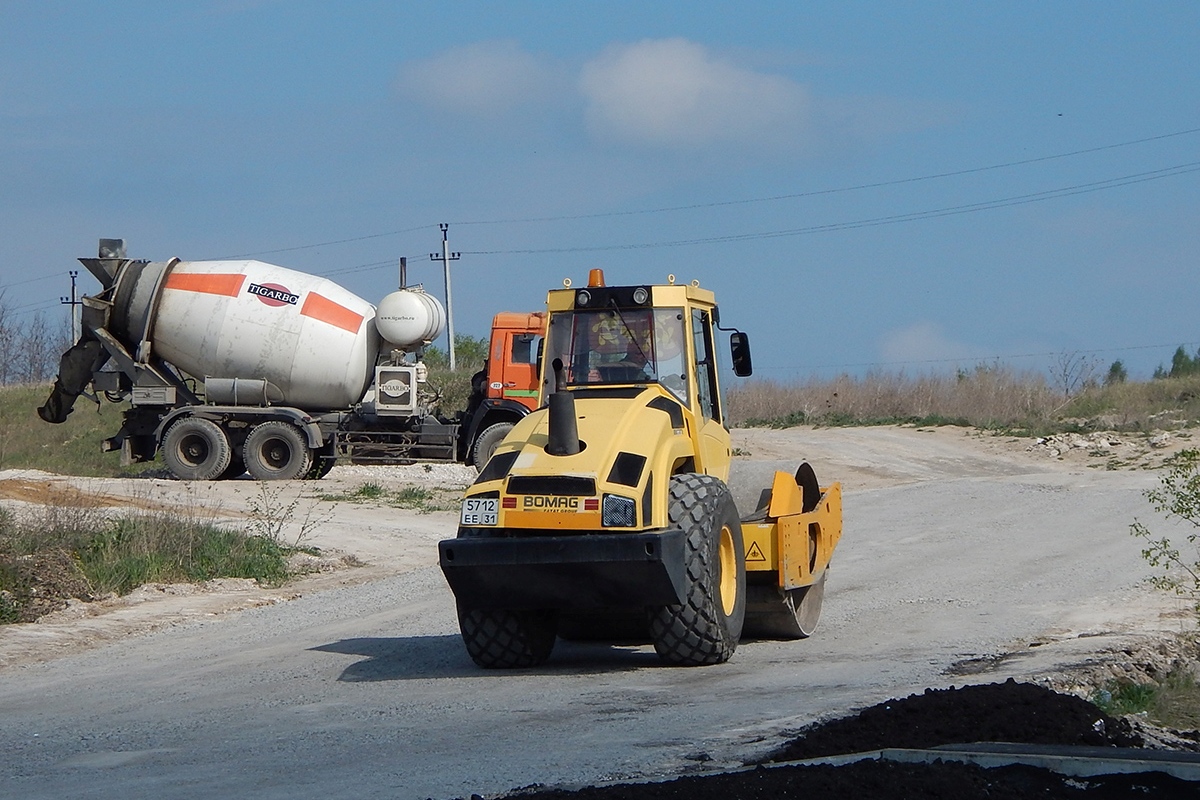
column 755, row 553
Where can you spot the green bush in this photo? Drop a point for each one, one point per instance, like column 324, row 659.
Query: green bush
column 1176, row 497
column 1118, row 699
column 453, row 389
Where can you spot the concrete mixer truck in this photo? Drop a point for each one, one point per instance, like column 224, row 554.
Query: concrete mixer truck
column 240, row 366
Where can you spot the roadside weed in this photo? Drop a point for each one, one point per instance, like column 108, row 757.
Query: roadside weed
column 1176, row 497
column 417, row 498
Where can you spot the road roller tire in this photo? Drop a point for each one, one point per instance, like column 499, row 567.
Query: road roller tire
column 706, row 626
column 787, row 614
column 499, row 638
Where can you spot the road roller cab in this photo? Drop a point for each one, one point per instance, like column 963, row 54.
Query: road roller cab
column 607, row 511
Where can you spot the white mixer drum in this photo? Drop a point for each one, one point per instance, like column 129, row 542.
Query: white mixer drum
column 410, row 317
column 308, row 336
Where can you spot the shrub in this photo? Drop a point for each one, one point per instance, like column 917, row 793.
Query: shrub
column 451, row 390
column 1178, row 497
column 73, row 549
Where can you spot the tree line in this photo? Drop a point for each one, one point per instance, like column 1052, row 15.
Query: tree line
column 30, row 345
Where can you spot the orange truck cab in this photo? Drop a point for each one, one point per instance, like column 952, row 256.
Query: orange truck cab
column 506, row 389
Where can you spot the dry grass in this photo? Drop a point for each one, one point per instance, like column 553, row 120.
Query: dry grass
column 71, row 448
column 992, row 397
column 53, row 552
column 987, row 397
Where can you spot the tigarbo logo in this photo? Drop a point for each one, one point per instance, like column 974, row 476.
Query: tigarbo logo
column 395, row 388
column 273, row 294
column 550, row 503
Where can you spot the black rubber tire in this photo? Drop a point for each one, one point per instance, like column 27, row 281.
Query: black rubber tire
column 486, row 443
column 277, row 451
column 498, row 638
column 323, row 460
column 706, row 627
column 196, row 449
column 236, row 468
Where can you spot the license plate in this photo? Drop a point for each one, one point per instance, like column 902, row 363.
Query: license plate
column 480, row 511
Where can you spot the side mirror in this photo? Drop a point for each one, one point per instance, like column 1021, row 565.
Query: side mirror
column 739, row 347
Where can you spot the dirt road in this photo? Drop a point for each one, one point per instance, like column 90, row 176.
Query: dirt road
column 965, row 558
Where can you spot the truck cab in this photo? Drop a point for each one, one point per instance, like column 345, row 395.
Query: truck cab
column 506, row 389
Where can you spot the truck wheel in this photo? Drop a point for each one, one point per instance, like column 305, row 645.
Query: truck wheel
column 498, row 638
column 323, row 460
column 705, row 628
column 196, row 449
column 487, row 442
column 236, row 467
column 277, row 451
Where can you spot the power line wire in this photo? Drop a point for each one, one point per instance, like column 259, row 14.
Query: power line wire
column 715, row 204
column 326, row 244
column 29, row 280
column 839, row 190
column 986, row 205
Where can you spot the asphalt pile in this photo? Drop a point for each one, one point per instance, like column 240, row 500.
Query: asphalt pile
column 1014, row 712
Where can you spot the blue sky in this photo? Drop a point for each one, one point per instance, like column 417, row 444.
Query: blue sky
column 915, row 186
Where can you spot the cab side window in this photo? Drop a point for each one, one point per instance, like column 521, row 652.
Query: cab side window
column 524, row 348
column 706, row 365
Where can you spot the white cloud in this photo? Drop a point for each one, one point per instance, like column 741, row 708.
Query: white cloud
column 672, row 92
column 482, row 79
column 921, row 342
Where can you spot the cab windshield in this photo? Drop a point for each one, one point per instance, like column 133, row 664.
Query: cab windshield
column 619, row 346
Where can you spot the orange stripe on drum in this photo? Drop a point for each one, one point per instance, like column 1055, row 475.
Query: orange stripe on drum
column 228, row 284
column 325, row 310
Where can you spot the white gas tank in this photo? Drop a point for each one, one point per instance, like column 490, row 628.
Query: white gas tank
column 410, row 317
column 308, row 336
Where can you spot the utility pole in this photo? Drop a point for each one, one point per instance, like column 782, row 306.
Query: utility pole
column 72, row 301
column 446, row 257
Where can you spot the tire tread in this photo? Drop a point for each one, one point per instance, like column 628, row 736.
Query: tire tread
column 696, row 631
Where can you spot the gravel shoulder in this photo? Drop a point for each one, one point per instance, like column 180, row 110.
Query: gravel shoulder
column 966, row 559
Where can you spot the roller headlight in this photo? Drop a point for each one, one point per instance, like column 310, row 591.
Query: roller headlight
column 617, row 512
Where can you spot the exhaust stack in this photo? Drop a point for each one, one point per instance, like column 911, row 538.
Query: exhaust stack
column 564, row 428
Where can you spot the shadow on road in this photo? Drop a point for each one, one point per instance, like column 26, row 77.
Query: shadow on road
column 422, row 657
